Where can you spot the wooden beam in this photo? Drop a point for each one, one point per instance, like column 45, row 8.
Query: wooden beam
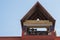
column 37, row 23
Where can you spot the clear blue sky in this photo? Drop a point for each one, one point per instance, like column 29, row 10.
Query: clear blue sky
column 11, row 11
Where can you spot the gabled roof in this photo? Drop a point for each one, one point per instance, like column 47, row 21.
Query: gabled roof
column 38, row 11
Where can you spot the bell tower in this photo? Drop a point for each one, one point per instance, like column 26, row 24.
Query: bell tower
column 38, row 24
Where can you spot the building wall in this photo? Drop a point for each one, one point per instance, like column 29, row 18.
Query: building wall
column 10, row 38
column 57, row 38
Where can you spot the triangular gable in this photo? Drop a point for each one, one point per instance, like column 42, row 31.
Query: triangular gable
column 38, row 11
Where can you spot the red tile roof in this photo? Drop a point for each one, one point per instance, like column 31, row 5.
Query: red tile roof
column 19, row 38
column 10, row 38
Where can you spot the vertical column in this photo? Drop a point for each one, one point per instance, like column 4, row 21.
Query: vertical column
column 47, row 29
column 24, row 30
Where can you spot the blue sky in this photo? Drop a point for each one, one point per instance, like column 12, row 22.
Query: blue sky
column 11, row 11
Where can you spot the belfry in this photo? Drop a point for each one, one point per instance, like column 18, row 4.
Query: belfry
column 36, row 20
column 37, row 24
